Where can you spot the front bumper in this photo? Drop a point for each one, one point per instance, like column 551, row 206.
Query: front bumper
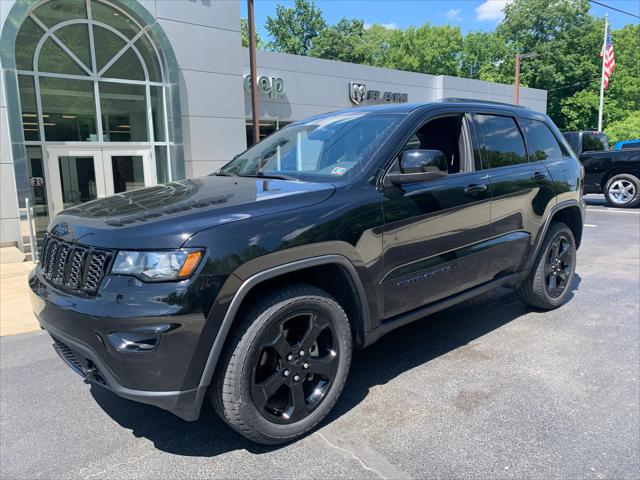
column 163, row 377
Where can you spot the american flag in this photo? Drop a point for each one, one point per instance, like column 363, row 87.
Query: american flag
column 609, row 59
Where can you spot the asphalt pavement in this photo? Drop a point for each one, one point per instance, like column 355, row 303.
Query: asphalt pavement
column 487, row 389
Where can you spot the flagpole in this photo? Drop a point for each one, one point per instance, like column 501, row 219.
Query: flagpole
column 604, row 47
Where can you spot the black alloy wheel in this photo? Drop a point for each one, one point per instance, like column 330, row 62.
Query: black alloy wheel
column 559, row 265
column 285, row 364
column 295, row 365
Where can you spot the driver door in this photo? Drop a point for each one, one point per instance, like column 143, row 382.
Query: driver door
column 435, row 231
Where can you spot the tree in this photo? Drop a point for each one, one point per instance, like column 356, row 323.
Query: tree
column 567, row 40
column 294, row 29
column 344, row 41
column 481, row 56
column 426, row 49
column 244, row 32
column 626, row 129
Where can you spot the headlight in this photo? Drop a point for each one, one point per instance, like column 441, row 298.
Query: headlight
column 157, row 266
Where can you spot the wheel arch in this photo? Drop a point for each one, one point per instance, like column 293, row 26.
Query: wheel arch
column 329, row 272
column 621, row 170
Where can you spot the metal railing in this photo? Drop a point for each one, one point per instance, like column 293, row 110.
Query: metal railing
column 33, row 243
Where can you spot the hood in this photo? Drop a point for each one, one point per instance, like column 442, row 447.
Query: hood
column 165, row 216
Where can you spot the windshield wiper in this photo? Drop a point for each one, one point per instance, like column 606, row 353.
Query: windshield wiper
column 222, row 173
column 276, row 176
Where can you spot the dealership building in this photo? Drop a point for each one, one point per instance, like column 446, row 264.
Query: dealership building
column 102, row 96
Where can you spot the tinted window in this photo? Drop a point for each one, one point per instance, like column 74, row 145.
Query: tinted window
column 594, row 142
column 503, row 143
column 542, row 142
column 630, row 146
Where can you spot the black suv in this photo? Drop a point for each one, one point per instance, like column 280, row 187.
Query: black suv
column 254, row 284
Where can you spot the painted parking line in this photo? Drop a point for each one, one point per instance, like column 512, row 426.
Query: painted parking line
column 613, row 210
column 589, row 225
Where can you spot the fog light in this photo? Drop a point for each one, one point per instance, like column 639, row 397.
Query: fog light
column 134, row 341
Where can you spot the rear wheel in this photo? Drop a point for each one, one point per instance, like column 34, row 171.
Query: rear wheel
column 549, row 281
column 285, row 367
column 623, row 191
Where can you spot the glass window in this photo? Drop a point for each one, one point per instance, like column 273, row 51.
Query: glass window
column 78, row 178
column 594, row 142
column 124, row 112
column 54, row 59
column 28, row 105
column 35, row 168
column 630, row 146
column 542, row 142
column 69, row 109
column 503, row 143
column 108, row 44
column 162, row 167
column 103, row 13
column 76, row 38
column 54, row 12
column 26, row 42
column 128, row 172
column 127, row 66
column 150, row 59
column 325, row 148
column 158, row 113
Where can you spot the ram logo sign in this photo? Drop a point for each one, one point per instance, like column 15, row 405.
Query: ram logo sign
column 359, row 95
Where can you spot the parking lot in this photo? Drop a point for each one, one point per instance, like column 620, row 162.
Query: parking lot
column 487, row 389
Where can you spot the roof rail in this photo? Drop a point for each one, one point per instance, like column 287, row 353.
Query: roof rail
column 472, row 100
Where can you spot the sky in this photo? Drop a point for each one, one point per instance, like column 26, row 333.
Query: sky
column 468, row 14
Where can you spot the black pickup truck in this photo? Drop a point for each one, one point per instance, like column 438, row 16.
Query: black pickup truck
column 616, row 173
column 252, row 286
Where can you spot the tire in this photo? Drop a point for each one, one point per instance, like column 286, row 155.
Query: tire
column 623, row 191
column 552, row 268
column 273, row 384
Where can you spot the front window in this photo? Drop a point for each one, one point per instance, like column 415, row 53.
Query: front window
column 326, row 148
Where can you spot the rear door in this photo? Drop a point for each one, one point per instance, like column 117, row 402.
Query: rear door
column 520, row 190
column 434, row 230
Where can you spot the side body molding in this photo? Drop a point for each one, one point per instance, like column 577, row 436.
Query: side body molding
column 260, row 277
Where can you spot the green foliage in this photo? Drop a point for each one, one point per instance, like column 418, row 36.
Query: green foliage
column 294, row 29
column 626, row 129
column 567, row 39
column 244, row 33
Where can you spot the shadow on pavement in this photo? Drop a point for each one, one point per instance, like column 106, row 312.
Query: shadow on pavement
column 394, row 354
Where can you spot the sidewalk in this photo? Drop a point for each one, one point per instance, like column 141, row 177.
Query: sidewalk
column 15, row 307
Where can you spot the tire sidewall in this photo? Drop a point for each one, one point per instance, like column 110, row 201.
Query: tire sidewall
column 557, row 229
column 283, row 432
column 630, row 178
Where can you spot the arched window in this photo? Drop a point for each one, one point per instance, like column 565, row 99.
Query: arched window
column 88, row 72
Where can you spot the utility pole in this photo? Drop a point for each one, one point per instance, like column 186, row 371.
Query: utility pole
column 604, row 46
column 516, row 88
column 255, row 106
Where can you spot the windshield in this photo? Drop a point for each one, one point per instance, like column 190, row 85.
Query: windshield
column 326, row 148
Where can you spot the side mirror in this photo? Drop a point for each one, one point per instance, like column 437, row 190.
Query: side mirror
column 420, row 166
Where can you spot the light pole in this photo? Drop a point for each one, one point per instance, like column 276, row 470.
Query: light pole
column 516, row 90
column 255, row 112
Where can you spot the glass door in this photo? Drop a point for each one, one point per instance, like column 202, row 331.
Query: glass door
column 127, row 170
column 76, row 175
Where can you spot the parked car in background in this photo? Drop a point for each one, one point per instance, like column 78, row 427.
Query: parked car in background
column 627, row 145
column 616, row 173
column 253, row 285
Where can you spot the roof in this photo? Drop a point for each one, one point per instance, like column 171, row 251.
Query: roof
column 410, row 107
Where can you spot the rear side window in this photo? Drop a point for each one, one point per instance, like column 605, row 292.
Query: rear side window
column 594, row 142
column 630, row 146
column 503, row 142
column 542, row 142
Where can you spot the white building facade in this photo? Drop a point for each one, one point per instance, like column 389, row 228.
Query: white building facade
column 102, row 96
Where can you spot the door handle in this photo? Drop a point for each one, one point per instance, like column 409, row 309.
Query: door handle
column 475, row 189
column 538, row 176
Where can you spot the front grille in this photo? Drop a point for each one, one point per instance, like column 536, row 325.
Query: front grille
column 75, row 267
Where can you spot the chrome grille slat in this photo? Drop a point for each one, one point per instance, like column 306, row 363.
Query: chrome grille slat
column 76, row 267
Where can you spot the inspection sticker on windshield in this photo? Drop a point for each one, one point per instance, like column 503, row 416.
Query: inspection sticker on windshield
column 338, row 171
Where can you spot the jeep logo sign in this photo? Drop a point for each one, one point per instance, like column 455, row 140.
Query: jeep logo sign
column 273, row 87
column 358, row 94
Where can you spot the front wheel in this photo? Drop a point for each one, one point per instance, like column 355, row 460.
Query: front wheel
column 285, row 367
column 549, row 281
column 623, row 191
